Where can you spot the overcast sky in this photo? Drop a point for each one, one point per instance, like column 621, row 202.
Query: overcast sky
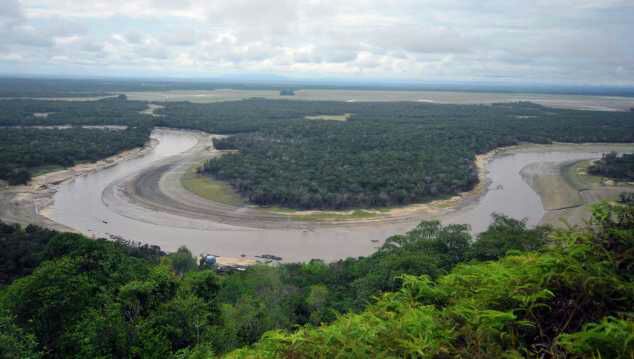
column 558, row 41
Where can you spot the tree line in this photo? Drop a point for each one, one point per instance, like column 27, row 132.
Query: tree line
column 614, row 166
column 109, row 111
column 23, row 150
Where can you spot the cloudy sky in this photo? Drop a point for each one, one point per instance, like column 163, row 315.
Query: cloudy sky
column 546, row 41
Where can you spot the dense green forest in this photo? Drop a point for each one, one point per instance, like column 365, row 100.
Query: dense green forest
column 386, row 154
column 110, row 111
column 433, row 292
column 614, row 166
column 25, row 149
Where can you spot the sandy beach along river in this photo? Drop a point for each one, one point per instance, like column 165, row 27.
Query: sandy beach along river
column 142, row 199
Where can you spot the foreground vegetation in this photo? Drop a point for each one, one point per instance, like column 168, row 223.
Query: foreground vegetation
column 433, row 292
column 572, row 298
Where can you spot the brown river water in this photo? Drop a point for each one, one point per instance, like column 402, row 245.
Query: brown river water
column 79, row 204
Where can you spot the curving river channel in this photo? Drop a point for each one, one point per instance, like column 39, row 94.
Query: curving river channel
column 99, row 205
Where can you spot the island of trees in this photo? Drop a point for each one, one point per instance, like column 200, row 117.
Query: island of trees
column 433, row 292
column 614, row 166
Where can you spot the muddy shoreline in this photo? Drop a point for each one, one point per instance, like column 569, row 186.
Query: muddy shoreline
column 27, row 204
column 572, row 204
column 144, row 200
column 159, row 189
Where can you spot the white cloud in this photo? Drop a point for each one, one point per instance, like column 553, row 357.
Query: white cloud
column 540, row 40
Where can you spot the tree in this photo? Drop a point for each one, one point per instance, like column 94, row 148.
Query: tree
column 20, row 176
column 51, row 299
column 182, row 321
column 316, row 301
column 614, row 166
column 506, row 234
column 451, row 242
column 15, row 343
column 182, row 261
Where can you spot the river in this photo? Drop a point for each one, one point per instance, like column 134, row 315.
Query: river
column 80, row 204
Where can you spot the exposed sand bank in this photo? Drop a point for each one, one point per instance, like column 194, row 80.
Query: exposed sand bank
column 27, row 204
column 145, row 200
column 160, row 188
column 555, row 192
column 567, row 191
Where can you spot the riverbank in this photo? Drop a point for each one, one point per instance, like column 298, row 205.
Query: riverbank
column 162, row 188
column 144, row 200
column 431, row 209
column 171, row 188
column 168, row 188
column 555, row 191
column 568, row 192
column 27, row 204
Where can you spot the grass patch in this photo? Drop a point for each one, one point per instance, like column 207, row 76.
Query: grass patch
column 297, row 215
column 280, row 210
column 210, row 189
column 333, row 216
column 576, row 174
column 344, row 117
column 221, row 192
